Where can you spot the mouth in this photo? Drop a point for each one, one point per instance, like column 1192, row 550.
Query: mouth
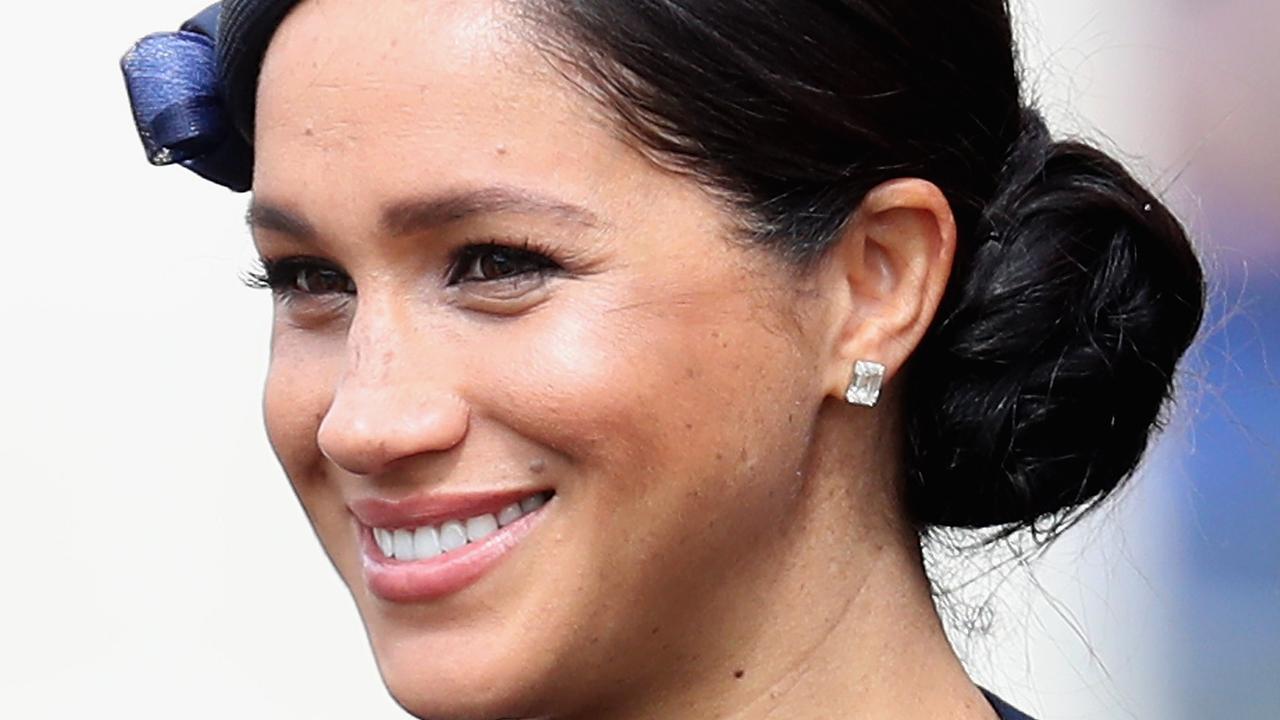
column 427, row 548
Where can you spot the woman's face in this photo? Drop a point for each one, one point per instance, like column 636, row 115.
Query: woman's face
column 485, row 298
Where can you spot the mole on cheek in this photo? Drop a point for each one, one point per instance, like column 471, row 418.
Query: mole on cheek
column 538, row 466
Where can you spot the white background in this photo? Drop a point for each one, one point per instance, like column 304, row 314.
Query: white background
column 154, row 561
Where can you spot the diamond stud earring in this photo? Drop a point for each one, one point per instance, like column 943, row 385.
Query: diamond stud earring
column 864, row 387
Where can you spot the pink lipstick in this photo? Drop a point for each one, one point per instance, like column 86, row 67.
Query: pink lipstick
column 426, row 547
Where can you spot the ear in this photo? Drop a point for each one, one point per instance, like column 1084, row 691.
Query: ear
column 886, row 276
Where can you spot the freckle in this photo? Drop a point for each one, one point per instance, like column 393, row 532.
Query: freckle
column 688, row 426
column 309, row 132
column 737, row 674
column 538, row 466
column 654, row 631
column 719, row 456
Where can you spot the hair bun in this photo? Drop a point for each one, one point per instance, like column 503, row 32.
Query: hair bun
column 1038, row 387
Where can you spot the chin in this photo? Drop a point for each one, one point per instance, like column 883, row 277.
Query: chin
column 470, row 657
column 434, row 684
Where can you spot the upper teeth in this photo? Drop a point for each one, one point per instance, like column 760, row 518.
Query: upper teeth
column 431, row 540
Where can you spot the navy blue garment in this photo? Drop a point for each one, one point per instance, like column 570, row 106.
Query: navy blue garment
column 1004, row 709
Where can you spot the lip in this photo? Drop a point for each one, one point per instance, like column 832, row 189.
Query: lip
column 423, row 580
column 433, row 509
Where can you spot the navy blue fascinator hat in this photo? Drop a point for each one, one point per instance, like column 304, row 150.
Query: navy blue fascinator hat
column 193, row 90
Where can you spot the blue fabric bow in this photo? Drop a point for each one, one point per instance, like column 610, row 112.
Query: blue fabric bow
column 178, row 108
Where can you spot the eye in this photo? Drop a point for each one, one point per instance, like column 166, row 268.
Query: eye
column 303, row 276
column 490, row 261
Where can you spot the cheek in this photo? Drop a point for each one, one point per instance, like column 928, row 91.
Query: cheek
column 299, row 389
column 665, row 404
column 601, row 382
column 679, row 465
column 573, row 380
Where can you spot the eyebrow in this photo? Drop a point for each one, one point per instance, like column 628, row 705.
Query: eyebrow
column 414, row 215
column 419, row 214
column 265, row 216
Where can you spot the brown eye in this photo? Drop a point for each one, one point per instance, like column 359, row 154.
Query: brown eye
column 304, row 276
column 323, row 281
column 486, row 263
column 494, row 265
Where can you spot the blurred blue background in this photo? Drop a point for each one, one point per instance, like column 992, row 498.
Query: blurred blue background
column 1227, row 618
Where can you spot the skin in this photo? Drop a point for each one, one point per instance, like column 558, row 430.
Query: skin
column 727, row 538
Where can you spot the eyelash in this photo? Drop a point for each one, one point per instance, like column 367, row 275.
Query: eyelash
column 281, row 276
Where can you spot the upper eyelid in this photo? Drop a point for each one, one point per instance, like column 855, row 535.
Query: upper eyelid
column 268, row 269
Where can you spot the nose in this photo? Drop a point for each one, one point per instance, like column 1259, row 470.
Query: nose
column 391, row 403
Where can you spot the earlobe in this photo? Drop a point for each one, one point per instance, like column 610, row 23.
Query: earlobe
column 892, row 264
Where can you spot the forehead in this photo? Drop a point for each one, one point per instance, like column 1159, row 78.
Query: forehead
column 360, row 100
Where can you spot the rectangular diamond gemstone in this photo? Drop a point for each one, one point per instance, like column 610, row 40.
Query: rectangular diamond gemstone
column 864, row 389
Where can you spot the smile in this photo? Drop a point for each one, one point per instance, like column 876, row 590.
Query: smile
column 428, row 541
column 423, row 549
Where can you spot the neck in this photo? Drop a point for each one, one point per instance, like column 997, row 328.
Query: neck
column 835, row 620
column 882, row 653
